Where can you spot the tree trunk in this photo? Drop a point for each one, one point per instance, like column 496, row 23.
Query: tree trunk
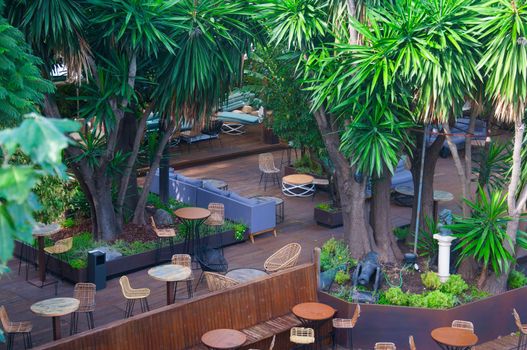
column 107, row 225
column 351, row 192
column 380, row 218
column 463, row 177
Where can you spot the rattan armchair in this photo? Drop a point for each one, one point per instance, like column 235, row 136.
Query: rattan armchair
column 85, row 293
column 285, row 257
column 269, row 172
column 346, row 323
column 469, row 326
column 411, row 342
column 13, row 328
column 132, row 295
column 215, row 281
column 301, row 335
column 60, row 247
column 163, row 233
column 522, row 329
column 186, row 261
column 384, row 346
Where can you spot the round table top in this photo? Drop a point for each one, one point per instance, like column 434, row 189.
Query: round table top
column 223, row 338
column 192, row 213
column 46, row 229
column 313, row 311
column 215, row 182
column 277, row 200
column 55, row 307
column 245, row 275
column 169, row 273
column 298, row 179
column 439, row 196
column 454, row 336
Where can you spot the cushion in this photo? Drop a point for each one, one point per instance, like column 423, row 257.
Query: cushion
column 189, row 180
column 216, row 190
column 243, row 200
column 237, row 117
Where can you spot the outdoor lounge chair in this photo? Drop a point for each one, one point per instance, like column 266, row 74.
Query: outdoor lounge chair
column 215, row 281
column 233, row 123
column 284, row 258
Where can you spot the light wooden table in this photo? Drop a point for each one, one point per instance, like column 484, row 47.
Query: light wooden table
column 449, row 338
column 54, row 308
column 298, row 185
column 170, row 274
column 221, row 339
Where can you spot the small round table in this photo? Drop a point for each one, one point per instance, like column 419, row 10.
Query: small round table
column 40, row 231
column 246, row 275
column 223, row 339
column 313, row 315
column 219, row 184
column 279, row 206
column 170, row 274
column 192, row 218
column 298, row 185
column 54, row 308
column 449, row 338
column 439, row 196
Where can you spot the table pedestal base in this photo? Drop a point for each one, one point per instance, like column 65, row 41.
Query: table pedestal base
column 56, row 328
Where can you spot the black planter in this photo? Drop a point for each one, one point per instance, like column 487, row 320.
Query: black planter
column 329, row 219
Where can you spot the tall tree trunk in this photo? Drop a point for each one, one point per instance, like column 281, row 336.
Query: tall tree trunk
column 464, row 178
column 351, row 192
column 380, row 218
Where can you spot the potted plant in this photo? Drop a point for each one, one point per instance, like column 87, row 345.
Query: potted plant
column 326, row 214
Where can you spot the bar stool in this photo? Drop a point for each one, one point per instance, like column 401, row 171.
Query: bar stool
column 85, row 293
column 186, row 261
column 163, row 233
column 59, row 248
column 347, row 324
column 13, row 328
column 216, row 219
column 302, row 336
column 132, row 295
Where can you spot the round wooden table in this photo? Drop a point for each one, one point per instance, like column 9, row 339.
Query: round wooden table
column 298, row 185
column 223, row 339
column 449, row 338
column 54, row 308
column 246, row 275
column 40, row 231
column 313, row 315
column 439, row 196
column 170, row 274
column 192, row 218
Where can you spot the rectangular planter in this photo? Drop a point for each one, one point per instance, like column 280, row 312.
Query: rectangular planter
column 127, row 264
column 268, row 137
column 329, row 219
column 492, row 318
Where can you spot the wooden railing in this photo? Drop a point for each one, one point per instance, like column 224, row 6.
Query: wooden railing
column 181, row 326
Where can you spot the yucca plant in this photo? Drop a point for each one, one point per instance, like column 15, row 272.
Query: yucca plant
column 483, row 235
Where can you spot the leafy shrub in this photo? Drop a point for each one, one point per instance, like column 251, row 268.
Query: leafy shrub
column 133, row 248
column 335, row 253
column 474, row 294
column 326, row 206
column 426, row 244
column 239, row 231
column 439, row 300
column 305, row 164
column 54, row 197
column 395, row 296
column 78, row 202
column 68, row 222
column 455, row 285
column 430, row 280
column 172, row 205
column 401, row 232
column 416, row 300
column 79, row 263
column 342, row 277
column 517, row 279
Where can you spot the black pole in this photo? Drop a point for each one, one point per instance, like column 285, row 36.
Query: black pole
column 163, row 176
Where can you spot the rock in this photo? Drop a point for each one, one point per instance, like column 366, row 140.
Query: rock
column 163, row 218
column 111, row 254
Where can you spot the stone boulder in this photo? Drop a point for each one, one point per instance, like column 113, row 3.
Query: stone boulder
column 163, row 218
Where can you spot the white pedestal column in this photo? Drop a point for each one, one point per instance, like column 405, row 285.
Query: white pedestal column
column 443, row 261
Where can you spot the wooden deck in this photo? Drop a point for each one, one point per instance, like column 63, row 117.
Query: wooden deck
column 242, row 175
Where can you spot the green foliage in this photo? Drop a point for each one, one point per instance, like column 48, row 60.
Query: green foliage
column 416, row 300
column 136, row 247
column 439, row 300
column 341, row 277
column 170, row 207
column 79, row 263
column 426, row 244
column 78, row 201
column 68, row 222
column 54, row 195
column 239, row 231
column 474, row 294
column 401, row 232
column 326, row 206
column 335, row 253
column 305, row 164
column 492, row 166
column 455, row 285
column 517, row 279
column 430, row 280
column 483, row 236
column 395, row 296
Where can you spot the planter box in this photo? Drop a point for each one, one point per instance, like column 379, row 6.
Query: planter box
column 268, row 137
column 328, row 219
column 130, row 263
column 492, row 318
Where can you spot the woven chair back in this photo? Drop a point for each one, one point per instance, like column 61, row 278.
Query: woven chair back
column 301, row 335
column 6, row 323
column 469, row 326
column 217, row 214
column 266, row 163
column 126, row 288
column 215, row 281
column 64, row 244
column 356, row 315
column 518, row 322
column 284, row 258
column 85, row 293
column 411, row 342
column 384, row 346
column 181, row 259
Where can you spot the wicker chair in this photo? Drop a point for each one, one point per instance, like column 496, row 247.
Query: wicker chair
column 215, row 281
column 60, row 247
column 85, row 292
column 216, row 219
column 132, row 295
column 184, row 260
column 301, row 335
column 269, row 172
column 346, row 323
column 384, row 346
column 163, row 233
column 13, row 328
column 285, row 257
column 271, row 346
column 469, row 326
column 522, row 329
column 411, row 342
